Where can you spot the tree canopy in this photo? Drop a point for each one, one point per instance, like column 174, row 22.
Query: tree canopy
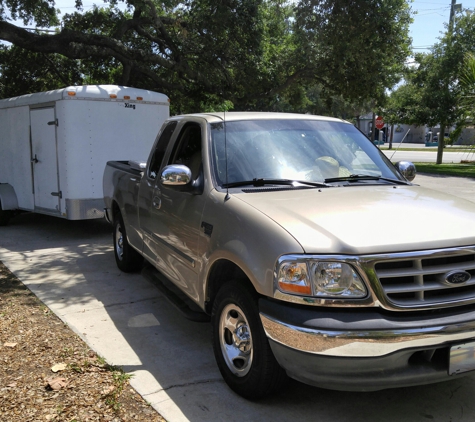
column 431, row 94
column 252, row 54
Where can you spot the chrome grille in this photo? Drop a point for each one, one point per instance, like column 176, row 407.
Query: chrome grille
column 418, row 280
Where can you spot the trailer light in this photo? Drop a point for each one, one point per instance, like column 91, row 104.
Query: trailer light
column 71, row 93
column 139, row 98
column 126, row 97
column 112, row 95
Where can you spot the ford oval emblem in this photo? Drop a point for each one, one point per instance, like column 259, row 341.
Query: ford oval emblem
column 457, row 277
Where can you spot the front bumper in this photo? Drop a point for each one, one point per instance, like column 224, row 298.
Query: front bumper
column 364, row 350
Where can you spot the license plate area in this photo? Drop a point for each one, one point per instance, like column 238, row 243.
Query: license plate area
column 462, row 358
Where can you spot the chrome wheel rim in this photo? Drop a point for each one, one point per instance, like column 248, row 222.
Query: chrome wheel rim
column 236, row 340
column 119, row 242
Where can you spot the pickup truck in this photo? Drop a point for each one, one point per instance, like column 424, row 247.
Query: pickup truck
column 311, row 254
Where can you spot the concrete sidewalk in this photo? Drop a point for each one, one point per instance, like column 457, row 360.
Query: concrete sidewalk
column 462, row 187
column 70, row 266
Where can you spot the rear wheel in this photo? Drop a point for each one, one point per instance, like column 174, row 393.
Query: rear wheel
column 126, row 257
column 241, row 348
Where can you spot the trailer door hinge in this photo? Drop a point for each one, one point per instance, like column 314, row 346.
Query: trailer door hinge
column 53, row 123
column 60, row 194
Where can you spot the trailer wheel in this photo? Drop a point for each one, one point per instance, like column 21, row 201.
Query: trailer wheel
column 126, row 257
column 241, row 348
column 5, row 216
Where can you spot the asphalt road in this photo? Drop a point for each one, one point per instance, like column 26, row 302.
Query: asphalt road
column 424, row 156
column 70, row 266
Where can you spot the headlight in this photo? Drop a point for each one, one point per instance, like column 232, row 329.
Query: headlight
column 336, row 279
column 320, row 279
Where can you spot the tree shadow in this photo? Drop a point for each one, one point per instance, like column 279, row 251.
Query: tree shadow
column 70, row 266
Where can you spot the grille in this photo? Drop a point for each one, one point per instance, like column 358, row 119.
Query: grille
column 419, row 280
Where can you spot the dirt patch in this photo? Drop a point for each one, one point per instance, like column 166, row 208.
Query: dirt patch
column 47, row 373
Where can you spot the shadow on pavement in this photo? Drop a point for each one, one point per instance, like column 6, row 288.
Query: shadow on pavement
column 70, row 266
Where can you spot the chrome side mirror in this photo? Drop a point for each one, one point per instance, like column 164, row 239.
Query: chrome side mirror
column 407, row 169
column 176, row 175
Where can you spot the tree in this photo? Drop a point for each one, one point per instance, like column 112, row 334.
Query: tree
column 432, row 92
column 257, row 54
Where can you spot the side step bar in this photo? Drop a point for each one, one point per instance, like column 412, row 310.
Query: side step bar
column 183, row 303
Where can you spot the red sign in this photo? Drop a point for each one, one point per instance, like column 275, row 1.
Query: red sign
column 379, row 122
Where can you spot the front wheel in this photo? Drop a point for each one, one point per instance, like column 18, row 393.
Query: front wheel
column 126, row 257
column 241, row 348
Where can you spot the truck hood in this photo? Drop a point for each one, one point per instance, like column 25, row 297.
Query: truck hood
column 368, row 219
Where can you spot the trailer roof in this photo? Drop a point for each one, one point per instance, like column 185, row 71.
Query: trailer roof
column 88, row 92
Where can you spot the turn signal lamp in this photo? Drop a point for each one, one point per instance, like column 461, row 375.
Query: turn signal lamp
column 293, row 278
column 139, row 98
column 112, row 95
column 71, row 93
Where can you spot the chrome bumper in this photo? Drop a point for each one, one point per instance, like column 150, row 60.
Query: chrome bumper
column 367, row 350
column 363, row 343
column 362, row 333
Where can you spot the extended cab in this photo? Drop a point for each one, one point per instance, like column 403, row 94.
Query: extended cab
column 312, row 254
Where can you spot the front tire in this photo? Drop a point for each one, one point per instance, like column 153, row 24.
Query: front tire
column 126, row 257
column 241, row 348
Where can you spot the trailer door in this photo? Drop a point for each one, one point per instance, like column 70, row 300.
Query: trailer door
column 44, row 160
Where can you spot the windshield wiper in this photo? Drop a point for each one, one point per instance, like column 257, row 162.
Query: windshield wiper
column 285, row 182
column 358, row 177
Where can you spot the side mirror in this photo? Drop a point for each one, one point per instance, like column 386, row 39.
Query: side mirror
column 175, row 175
column 178, row 177
column 407, row 169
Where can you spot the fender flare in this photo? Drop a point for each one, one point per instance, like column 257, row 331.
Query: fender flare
column 8, row 198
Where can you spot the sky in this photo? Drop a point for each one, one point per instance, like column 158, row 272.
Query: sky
column 429, row 21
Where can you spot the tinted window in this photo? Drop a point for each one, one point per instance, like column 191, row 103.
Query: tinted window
column 160, row 149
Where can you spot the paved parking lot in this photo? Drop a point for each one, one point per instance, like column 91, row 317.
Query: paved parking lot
column 70, row 266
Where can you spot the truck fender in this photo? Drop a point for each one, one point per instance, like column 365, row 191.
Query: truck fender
column 8, row 198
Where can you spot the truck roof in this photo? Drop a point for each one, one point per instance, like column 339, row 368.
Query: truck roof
column 88, row 92
column 254, row 115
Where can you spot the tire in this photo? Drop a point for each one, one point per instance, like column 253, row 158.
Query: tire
column 241, row 348
column 5, row 216
column 127, row 258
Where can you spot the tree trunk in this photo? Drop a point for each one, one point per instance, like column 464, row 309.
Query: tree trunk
column 440, row 148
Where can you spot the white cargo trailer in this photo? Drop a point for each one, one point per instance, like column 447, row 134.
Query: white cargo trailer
column 54, row 145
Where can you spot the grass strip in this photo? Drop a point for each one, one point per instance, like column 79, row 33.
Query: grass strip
column 457, row 170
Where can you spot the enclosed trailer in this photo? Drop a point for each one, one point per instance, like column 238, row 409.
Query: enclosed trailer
column 54, row 145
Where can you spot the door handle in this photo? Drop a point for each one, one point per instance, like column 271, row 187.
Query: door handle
column 156, row 202
column 34, row 160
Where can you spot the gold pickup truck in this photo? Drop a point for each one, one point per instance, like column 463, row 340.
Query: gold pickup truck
column 312, row 255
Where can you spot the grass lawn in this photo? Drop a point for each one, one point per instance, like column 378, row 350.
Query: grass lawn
column 460, row 170
column 469, row 149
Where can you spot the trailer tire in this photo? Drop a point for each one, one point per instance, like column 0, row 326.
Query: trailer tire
column 5, row 216
column 127, row 258
column 240, row 345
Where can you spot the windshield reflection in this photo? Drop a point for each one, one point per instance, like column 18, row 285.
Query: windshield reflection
column 310, row 150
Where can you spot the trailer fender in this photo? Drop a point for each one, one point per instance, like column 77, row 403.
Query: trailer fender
column 8, row 199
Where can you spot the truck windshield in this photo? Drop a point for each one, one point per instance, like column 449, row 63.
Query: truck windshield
column 306, row 150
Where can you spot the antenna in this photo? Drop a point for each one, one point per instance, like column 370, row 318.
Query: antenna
column 400, row 143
